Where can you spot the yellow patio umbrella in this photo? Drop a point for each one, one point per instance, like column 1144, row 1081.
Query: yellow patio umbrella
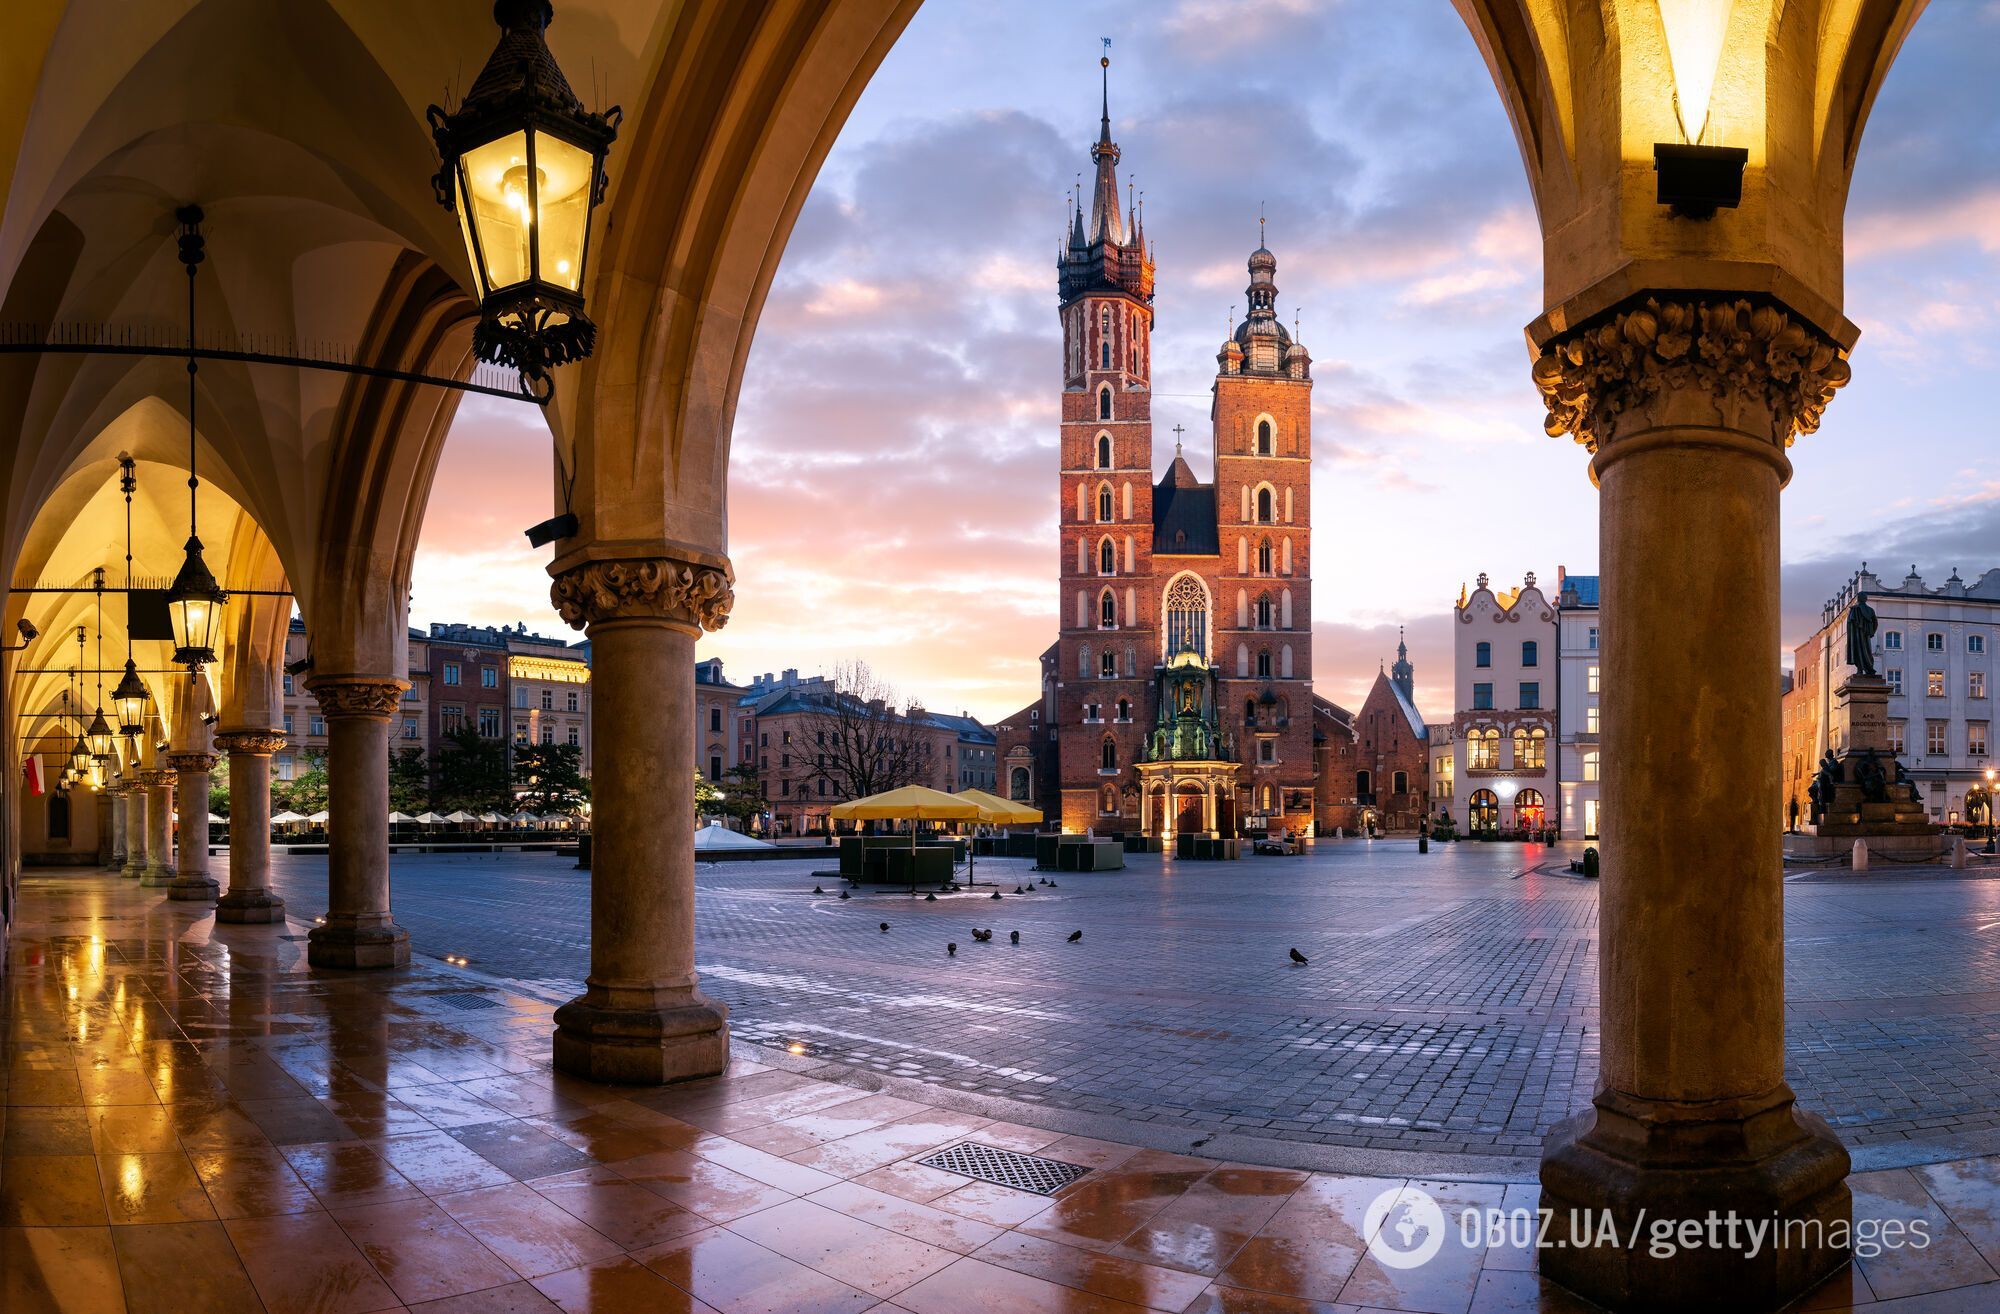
column 912, row 802
column 1001, row 812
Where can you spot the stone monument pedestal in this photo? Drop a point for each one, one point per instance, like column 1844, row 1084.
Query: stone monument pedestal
column 1863, row 791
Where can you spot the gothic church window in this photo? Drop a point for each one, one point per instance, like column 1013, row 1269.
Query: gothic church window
column 1104, row 451
column 1104, row 508
column 1107, row 558
column 1104, row 402
column 1186, row 608
column 1263, row 438
column 1264, row 557
column 1264, row 506
column 1107, row 615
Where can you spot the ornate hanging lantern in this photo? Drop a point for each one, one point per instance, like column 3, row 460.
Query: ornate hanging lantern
column 194, row 603
column 522, row 166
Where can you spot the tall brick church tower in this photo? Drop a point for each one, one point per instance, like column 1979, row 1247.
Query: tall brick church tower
column 1107, row 648
column 1183, row 665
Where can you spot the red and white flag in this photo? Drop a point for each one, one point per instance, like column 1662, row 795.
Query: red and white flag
column 32, row 768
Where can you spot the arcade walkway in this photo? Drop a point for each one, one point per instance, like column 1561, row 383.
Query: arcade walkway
column 194, row 1120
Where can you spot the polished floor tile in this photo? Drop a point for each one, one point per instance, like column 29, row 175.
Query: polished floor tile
column 737, row 1276
column 182, row 1268
column 304, row 1264
column 152, row 1188
column 847, row 1249
column 621, row 1285
column 51, row 1190
column 59, row 1270
column 531, row 1234
column 421, row 1252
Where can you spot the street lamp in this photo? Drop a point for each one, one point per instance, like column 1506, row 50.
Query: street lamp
column 522, row 166
column 129, row 694
column 194, row 602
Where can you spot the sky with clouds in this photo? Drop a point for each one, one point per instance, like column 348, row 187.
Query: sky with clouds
column 893, row 482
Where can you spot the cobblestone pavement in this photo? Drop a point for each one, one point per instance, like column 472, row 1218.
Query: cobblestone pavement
column 1448, row 1007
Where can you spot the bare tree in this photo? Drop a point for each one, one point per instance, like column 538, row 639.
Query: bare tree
column 862, row 738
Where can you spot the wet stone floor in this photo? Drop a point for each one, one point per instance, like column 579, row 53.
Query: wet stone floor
column 1447, row 1008
column 192, row 1120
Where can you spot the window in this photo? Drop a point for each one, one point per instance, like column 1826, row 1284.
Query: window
column 316, row 725
column 572, row 700
column 1975, row 643
column 281, row 766
column 451, row 672
column 1267, row 750
column 714, row 718
column 1482, row 750
column 1402, row 781
column 1264, row 557
column 1104, row 451
column 1530, row 653
column 451, row 718
column 1975, row 684
column 1264, row 664
column 1482, row 697
column 1104, row 402
column 1263, row 438
column 1124, row 710
column 1590, row 681
column 489, row 723
column 520, row 732
column 1893, row 640
column 1104, row 503
column 288, row 722
column 785, row 788
column 1108, row 756
column 1896, row 737
column 1482, row 655
column 1531, row 749
column 1531, row 693
column 1264, row 506
column 1895, row 674
column 1975, row 738
column 1935, row 737
column 489, row 677
column 1590, row 717
column 1934, row 684
column 1107, row 614
column 549, row 705
column 575, row 737
column 409, row 728
column 1591, row 765
column 288, row 682
column 1593, row 638
column 1108, row 666
column 1934, row 642
column 548, row 733
column 1264, row 612
column 1187, row 616
column 1107, row 558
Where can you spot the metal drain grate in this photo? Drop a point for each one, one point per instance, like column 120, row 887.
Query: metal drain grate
column 467, row 1001
column 1010, row 1168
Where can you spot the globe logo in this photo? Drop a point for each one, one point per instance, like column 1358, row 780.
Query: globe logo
column 1404, row 1227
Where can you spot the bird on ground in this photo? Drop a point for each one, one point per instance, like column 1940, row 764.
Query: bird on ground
column 981, row 936
column 1015, row 936
column 885, row 927
column 951, row 950
column 1074, row 936
column 1298, row 958
column 818, row 890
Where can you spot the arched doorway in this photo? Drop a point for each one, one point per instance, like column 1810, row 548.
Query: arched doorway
column 1482, row 812
column 1530, row 813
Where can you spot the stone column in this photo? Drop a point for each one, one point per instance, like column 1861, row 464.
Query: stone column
column 249, row 900
column 640, row 1018
column 159, row 830
column 135, row 826
column 191, row 878
column 359, row 931
column 1688, row 407
column 118, row 827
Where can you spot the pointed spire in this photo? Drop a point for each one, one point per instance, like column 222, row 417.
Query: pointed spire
column 1106, row 224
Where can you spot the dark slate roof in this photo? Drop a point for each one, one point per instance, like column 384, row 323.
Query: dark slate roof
column 1585, row 588
column 1184, row 514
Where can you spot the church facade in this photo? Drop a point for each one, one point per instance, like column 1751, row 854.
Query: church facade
column 1178, row 695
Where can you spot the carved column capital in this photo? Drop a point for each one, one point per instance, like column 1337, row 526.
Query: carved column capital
column 153, row 778
column 255, row 743
column 195, row 763
column 693, row 593
column 1761, row 369
column 373, row 697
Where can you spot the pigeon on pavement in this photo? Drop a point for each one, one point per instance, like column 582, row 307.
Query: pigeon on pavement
column 1015, row 936
column 951, row 950
column 1298, row 958
column 1074, row 936
column 885, row 926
